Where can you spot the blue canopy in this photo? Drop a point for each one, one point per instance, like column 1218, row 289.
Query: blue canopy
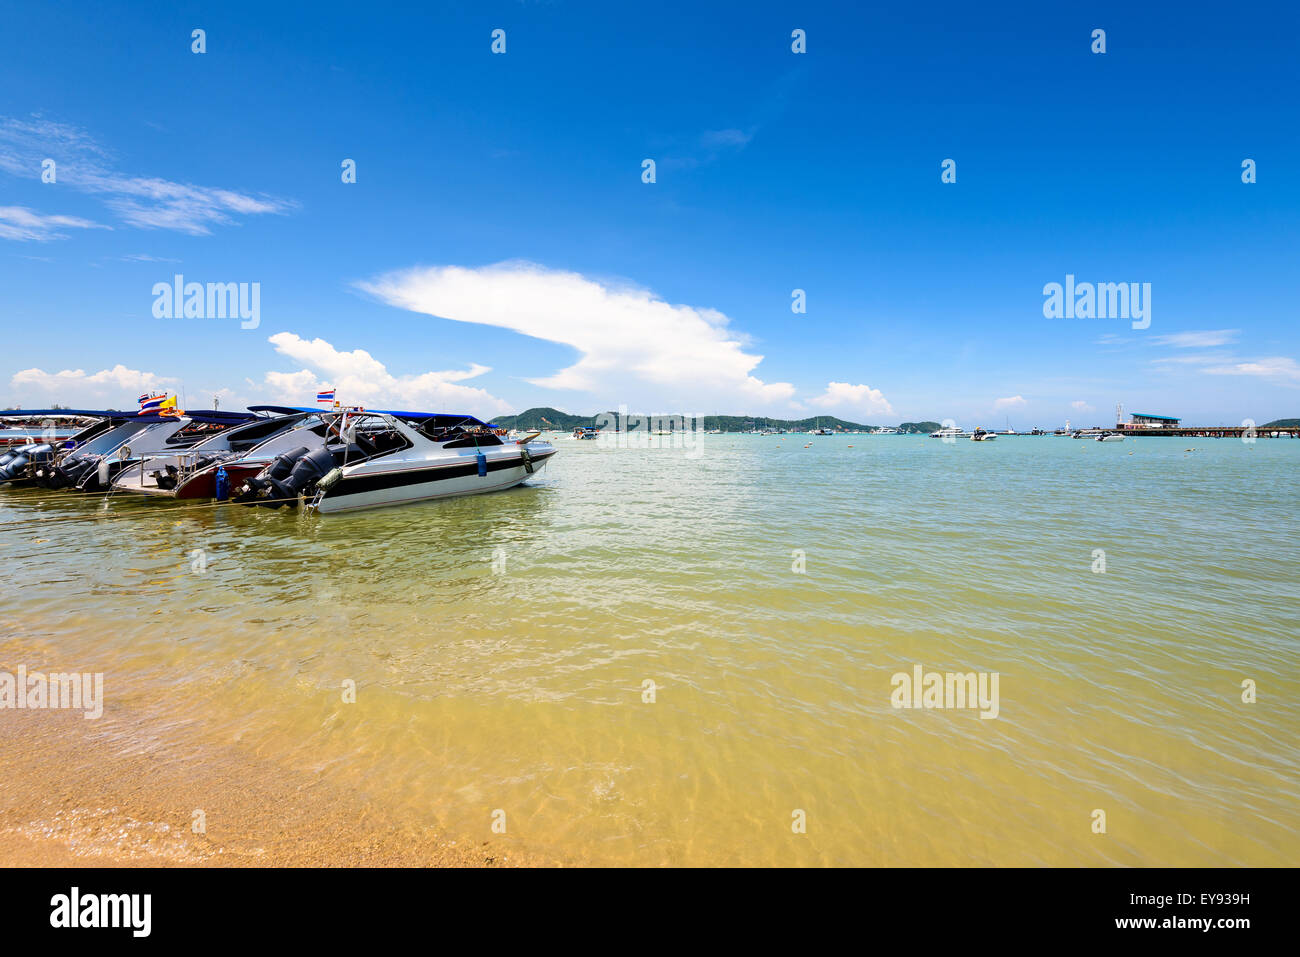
column 81, row 413
column 441, row 419
column 198, row 415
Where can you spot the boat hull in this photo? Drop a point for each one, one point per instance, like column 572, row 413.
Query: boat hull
column 402, row 486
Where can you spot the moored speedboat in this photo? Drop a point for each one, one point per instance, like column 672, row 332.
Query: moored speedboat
column 1110, row 437
column 980, row 435
column 130, row 439
column 227, row 458
column 372, row 459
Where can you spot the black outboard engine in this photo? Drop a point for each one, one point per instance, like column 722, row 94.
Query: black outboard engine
column 291, row 474
column 62, row 475
column 259, row 486
column 18, row 463
column 71, row 472
column 14, row 462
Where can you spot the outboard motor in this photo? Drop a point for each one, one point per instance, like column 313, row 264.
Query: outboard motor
column 68, row 473
column 306, row 472
column 74, row 472
column 259, row 486
column 289, row 474
column 17, row 462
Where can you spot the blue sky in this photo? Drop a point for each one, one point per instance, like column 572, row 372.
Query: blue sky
column 499, row 249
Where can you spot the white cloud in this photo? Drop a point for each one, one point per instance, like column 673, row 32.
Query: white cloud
column 632, row 347
column 148, row 202
column 1010, row 402
column 1274, row 367
column 360, row 379
column 146, row 258
column 23, row 224
column 119, row 387
column 1081, row 406
column 1203, row 339
column 860, row 399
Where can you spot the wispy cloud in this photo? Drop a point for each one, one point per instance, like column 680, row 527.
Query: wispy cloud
column 1204, row 339
column 1274, row 367
column 147, row 202
column 632, row 346
column 1080, row 406
column 27, row 225
column 708, row 147
column 726, row 139
column 1010, row 402
column 146, row 258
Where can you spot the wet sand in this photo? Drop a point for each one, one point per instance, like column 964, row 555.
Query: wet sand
column 89, row 793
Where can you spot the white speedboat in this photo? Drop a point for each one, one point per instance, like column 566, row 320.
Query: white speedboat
column 979, row 435
column 211, row 467
column 886, row 430
column 373, row 459
column 952, row 433
column 93, row 465
column 1110, row 437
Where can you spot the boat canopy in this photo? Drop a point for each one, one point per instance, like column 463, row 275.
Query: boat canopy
column 67, row 413
column 210, row 416
column 440, row 420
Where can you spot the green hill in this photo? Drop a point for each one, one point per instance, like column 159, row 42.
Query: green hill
column 548, row 418
column 1281, row 424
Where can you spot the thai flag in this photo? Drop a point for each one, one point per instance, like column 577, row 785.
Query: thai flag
column 152, row 403
column 326, row 396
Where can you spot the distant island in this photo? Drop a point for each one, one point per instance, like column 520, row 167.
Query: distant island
column 547, row 418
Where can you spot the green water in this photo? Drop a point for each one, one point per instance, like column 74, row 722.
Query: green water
column 520, row 687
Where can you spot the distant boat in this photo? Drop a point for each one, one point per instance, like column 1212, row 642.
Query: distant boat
column 953, row 433
column 586, row 432
column 979, row 435
column 1110, row 437
column 823, row 432
column 885, row 430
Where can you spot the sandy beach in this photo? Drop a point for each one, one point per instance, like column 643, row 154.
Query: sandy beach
column 86, row 793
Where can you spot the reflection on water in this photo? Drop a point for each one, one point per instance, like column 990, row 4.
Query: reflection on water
column 519, row 685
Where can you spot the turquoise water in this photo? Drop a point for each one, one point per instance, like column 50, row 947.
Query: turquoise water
column 500, row 646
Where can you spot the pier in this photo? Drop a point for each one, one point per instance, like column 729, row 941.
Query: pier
column 1213, row 431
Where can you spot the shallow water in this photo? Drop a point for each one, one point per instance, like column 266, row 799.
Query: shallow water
column 519, row 686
